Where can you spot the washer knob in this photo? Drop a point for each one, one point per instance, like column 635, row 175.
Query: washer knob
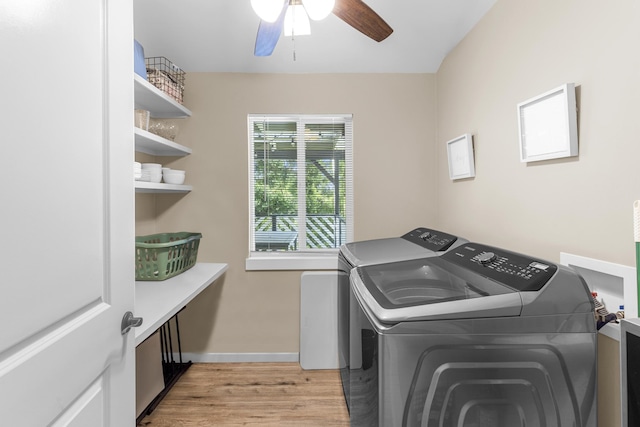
column 486, row 257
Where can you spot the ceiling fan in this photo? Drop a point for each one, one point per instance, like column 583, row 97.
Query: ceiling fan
column 273, row 13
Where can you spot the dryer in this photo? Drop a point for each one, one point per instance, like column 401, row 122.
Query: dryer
column 479, row 336
column 420, row 242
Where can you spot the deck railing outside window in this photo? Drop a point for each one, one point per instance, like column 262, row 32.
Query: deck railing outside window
column 323, row 231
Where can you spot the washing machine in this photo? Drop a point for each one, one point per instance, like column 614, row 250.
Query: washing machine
column 476, row 337
column 418, row 243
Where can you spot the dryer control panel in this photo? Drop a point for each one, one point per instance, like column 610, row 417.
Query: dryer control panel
column 515, row 270
column 430, row 239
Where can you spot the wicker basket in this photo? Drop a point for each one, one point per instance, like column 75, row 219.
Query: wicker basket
column 161, row 256
column 166, row 76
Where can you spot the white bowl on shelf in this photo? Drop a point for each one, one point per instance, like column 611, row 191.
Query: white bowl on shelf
column 152, row 166
column 173, row 178
column 173, row 172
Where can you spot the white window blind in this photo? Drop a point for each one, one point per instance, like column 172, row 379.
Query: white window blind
column 301, row 183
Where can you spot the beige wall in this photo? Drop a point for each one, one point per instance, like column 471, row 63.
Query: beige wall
column 394, row 158
column 520, row 49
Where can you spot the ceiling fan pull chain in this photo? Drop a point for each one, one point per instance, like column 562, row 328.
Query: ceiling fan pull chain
column 293, row 32
column 293, row 39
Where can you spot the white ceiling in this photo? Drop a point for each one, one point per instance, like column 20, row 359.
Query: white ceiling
column 219, row 36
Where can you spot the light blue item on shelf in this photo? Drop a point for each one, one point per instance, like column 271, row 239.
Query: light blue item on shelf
column 138, row 60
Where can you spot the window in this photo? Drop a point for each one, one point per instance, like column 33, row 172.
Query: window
column 300, row 178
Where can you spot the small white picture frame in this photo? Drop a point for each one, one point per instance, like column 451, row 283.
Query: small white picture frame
column 548, row 125
column 460, row 154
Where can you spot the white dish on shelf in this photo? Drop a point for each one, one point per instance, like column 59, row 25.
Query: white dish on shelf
column 174, row 178
column 148, row 176
column 152, row 166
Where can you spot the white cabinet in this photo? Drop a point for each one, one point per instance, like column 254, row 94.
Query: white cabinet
column 160, row 105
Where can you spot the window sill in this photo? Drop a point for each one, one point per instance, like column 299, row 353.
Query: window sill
column 292, row 262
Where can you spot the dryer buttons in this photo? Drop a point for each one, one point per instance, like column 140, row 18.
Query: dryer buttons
column 425, row 236
column 486, row 257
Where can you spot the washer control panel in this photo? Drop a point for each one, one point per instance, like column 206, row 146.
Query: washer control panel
column 430, row 239
column 515, row 270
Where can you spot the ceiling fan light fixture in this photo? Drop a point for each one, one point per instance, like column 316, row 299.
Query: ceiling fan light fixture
column 267, row 10
column 296, row 21
column 318, row 9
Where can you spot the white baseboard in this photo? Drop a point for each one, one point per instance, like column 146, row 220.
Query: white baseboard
column 239, row 357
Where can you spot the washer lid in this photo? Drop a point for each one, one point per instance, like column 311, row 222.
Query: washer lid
column 423, row 282
column 418, row 243
column 429, row 298
column 469, row 281
column 380, row 251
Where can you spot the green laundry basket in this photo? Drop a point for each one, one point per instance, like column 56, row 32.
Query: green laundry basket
column 161, row 256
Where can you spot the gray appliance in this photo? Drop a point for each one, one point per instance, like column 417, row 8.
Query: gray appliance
column 418, row 243
column 479, row 336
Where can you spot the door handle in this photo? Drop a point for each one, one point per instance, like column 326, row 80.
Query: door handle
column 129, row 321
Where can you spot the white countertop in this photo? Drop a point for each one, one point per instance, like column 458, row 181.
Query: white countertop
column 611, row 330
column 159, row 301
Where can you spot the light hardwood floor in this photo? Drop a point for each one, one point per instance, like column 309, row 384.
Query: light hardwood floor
column 252, row 394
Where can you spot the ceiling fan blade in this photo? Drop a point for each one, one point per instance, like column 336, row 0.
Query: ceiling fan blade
column 269, row 33
column 361, row 17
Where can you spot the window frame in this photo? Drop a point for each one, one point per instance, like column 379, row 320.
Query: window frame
column 300, row 259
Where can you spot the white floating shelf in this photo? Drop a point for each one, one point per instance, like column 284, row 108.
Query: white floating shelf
column 149, row 143
column 161, row 105
column 152, row 187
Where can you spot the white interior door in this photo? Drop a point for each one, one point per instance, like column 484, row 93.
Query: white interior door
column 66, row 213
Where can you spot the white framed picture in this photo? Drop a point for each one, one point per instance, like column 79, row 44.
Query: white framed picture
column 548, row 125
column 460, row 154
